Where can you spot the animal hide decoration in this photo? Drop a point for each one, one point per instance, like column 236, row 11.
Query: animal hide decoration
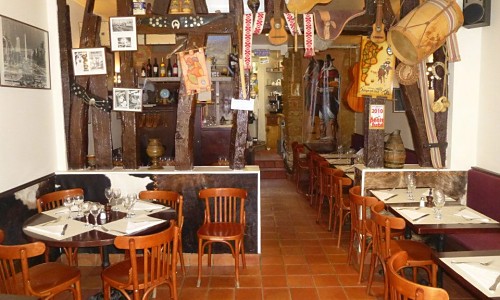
column 194, row 71
column 331, row 19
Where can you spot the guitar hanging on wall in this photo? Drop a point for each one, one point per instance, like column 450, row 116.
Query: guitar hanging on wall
column 378, row 32
column 277, row 34
column 355, row 102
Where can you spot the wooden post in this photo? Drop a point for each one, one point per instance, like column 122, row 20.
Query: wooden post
column 374, row 138
column 186, row 109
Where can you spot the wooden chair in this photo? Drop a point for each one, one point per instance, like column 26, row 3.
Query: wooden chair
column 402, row 288
column 384, row 246
column 54, row 200
column 314, row 177
column 2, row 236
column 224, row 223
column 152, row 262
column 360, row 226
column 342, row 207
column 175, row 201
column 300, row 164
column 43, row 281
column 327, row 191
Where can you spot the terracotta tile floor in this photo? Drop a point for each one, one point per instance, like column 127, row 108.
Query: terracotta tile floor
column 299, row 260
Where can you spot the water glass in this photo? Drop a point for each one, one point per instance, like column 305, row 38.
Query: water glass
column 439, row 201
column 86, row 212
column 78, row 199
column 108, row 193
column 69, row 201
column 95, row 210
column 411, row 184
column 128, row 203
column 116, row 196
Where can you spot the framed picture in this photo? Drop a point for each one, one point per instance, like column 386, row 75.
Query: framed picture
column 123, row 34
column 24, row 55
column 127, row 99
column 397, row 103
column 89, row 61
column 218, row 49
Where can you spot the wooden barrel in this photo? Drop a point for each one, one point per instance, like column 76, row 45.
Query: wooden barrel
column 424, row 29
column 394, row 151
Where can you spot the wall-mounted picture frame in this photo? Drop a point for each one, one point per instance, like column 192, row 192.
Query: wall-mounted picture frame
column 127, row 99
column 218, row 48
column 89, row 61
column 24, row 55
column 123, row 33
column 397, row 103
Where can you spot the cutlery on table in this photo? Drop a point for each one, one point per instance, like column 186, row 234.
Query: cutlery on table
column 421, row 217
column 114, row 230
column 483, row 263
column 64, row 229
column 52, row 222
column 493, row 287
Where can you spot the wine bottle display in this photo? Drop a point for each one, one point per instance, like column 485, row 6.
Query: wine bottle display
column 156, row 69
column 149, row 69
column 175, row 69
column 169, row 69
column 163, row 70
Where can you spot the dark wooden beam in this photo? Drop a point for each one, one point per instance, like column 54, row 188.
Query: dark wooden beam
column 441, row 118
column 200, row 6
column 184, row 137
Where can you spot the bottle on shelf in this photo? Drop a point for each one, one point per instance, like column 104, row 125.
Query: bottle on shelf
column 163, row 70
column 143, row 70
column 175, row 69
column 169, row 69
column 149, row 69
column 156, row 69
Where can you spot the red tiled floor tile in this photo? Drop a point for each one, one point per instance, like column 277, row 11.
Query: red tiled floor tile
column 304, row 293
column 276, row 294
column 273, row 270
column 326, row 280
column 297, row 270
column 300, row 281
column 248, row 294
column 221, row 294
column 331, row 293
column 274, row 281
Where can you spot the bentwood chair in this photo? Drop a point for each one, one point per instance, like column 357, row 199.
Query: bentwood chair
column 2, row 236
column 342, row 207
column 43, row 281
column 327, row 175
column 54, row 200
column 300, row 165
column 419, row 254
column 152, row 262
column 175, row 201
column 314, row 177
column 224, row 223
column 361, row 226
column 402, row 288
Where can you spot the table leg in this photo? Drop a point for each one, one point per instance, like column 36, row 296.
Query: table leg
column 440, row 248
column 105, row 256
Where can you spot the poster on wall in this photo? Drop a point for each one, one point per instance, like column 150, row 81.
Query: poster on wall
column 89, row 61
column 127, row 99
column 24, row 55
column 377, row 116
column 376, row 71
column 123, row 34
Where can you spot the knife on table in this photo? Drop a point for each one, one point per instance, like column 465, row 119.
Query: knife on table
column 64, row 229
column 422, row 216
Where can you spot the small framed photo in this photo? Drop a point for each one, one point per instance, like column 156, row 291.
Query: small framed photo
column 127, row 99
column 89, row 61
column 397, row 103
column 123, row 34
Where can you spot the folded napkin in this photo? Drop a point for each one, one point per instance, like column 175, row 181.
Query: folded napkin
column 135, row 226
column 412, row 214
column 484, row 275
column 383, row 195
column 130, row 225
column 470, row 215
column 50, row 230
column 144, row 205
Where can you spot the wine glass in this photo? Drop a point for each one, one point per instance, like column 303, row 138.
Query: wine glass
column 78, row 199
column 439, row 201
column 411, row 184
column 95, row 210
column 108, row 193
column 69, row 201
column 86, row 212
column 117, row 193
column 128, row 203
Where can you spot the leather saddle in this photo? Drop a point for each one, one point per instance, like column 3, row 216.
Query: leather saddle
column 330, row 20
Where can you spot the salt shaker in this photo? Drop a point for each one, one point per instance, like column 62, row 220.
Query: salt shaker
column 422, row 202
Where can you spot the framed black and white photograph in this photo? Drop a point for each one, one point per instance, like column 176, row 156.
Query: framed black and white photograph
column 127, row 99
column 89, row 61
column 123, row 34
column 398, row 105
column 24, row 55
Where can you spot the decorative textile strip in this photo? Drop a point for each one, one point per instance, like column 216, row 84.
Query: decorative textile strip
column 258, row 23
column 290, row 21
column 452, row 47
column 247, row 41
column 308, row 35
column 430, row 128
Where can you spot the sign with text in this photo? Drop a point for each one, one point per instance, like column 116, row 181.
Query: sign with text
column 242, row 104
column 377, row 116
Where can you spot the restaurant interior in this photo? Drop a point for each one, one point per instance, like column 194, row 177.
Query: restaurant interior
column 260, row 149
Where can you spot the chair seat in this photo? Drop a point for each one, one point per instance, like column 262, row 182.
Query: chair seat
column 417, row 251
column 52, row 277
column 118, row 274
column 220, row 231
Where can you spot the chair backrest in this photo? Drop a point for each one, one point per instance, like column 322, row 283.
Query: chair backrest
column 14, row 260
column 360, row 206
column 297, row 149
column 55, row 199
column 339, row 182
column 402, row 288
column 224, row 205
column 168, row 198
column 2, row 236
column 153, row 254
column 328, row 174
column 383, row 224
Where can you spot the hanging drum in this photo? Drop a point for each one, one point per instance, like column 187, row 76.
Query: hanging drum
column 424, row 29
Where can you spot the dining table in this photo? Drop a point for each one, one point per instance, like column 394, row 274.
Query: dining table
column 477, row 271
column 64, row 228
column 401, row 195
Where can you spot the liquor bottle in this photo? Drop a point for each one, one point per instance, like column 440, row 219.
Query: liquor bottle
column 143, row 70
column 156, row 69
column 163, row 70
column 169, row 69
column 149, row 69
column 175, row 69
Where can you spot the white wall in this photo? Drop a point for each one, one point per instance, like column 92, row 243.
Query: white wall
column 31, row 120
